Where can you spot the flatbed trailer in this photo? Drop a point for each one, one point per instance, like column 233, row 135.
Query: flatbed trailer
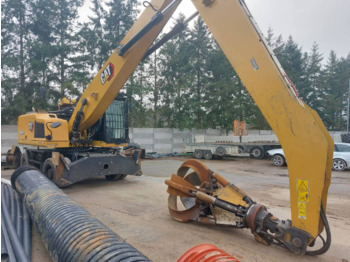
column 245, row 149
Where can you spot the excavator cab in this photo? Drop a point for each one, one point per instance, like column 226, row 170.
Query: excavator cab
column 113, row 126
column 112, row 129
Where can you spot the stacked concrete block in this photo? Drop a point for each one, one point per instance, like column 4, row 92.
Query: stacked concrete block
column 143, row 137
column 163, row 140
column 180, row 139
column 169, row 140
column 8, row 137
column 213, row 132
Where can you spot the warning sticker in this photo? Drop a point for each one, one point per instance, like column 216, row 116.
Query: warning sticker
column 303, row 190
column 301, row 210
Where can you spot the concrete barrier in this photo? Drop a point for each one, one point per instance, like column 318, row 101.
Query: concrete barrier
column 168, row 140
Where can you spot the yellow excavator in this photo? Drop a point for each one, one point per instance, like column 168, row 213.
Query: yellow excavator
column 305, row 140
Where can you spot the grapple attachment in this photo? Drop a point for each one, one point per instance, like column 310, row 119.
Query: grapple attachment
column 198, row 194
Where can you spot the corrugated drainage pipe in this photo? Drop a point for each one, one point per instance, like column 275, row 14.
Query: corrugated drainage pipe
column 68, row 231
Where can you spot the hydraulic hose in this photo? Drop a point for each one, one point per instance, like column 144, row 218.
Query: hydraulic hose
column 69, row 232
column 327, row 242
column 78, row 117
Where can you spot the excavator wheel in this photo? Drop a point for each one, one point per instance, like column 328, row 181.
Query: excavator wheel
column 115, row 177
column 49, row 169
column 24, row 159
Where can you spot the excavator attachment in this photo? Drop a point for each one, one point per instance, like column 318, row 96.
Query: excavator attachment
column 206, row 197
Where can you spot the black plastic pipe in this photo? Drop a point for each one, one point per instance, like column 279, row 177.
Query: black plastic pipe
column 20, row 222
column 5, row 239
column 13, row 238
column 69, row 232
column 27, row 232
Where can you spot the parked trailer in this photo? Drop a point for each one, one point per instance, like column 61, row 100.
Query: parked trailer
column 208, row 150
column 258, row 149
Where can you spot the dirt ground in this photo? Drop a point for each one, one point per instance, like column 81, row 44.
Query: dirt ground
column 136, row 209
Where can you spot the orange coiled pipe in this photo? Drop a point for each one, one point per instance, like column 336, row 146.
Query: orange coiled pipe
column 206, row 253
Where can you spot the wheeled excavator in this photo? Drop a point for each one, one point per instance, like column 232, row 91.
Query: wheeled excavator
column 207, row 196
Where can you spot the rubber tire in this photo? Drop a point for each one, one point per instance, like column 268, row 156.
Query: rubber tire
column 115, row 177
column 339, row 163
column 198, row 154
column 278, row 160
column 208, row 155
column 49, row 169
column 221, row 151
column 257, row 152
column 24, row 159
column 241, row 149
column 68, row 161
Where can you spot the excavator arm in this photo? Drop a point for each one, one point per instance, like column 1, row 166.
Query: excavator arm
column 307, row 145
column 306, row 142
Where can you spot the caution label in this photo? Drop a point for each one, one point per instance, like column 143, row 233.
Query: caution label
column 301, row 210
column 303, row 190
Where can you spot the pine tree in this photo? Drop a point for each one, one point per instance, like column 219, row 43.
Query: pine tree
column 312, row 91
column 175, row 79
column 119, row 18
column 334, row 95
column 67, row 13
column 201, row 44
column 15, row 92
column 42, row 52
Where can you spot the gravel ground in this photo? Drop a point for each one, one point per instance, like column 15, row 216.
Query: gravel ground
column 136, row 209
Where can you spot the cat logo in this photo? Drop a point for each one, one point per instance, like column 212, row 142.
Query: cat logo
column 30, row 126
column 108, row 73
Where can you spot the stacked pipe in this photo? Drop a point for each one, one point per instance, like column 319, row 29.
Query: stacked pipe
column 15, row 226
column 68, row 231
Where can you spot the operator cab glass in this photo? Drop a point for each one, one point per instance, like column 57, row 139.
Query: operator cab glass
column 113, row 126
column 115, row 121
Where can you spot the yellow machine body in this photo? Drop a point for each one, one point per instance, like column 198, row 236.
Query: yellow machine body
column 305, row 140
column 34, row 129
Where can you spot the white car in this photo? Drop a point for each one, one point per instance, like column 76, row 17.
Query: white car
column 341, row 156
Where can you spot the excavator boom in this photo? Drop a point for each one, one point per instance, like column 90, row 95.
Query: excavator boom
column 307, row 145
column 115, row 72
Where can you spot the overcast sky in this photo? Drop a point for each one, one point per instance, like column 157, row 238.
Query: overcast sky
column 326, row 22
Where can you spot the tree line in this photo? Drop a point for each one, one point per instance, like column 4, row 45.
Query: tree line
column 47, row 53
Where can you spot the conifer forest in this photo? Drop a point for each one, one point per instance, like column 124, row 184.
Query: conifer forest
column 47, row 53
